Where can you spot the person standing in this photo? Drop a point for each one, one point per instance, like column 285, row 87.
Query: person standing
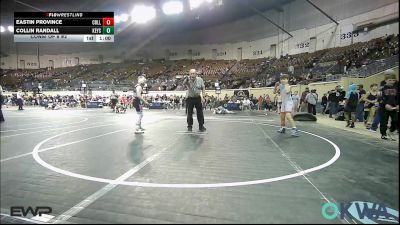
column 278, row 102
column 334, row 99
column 260, row 103
column 350, row 106
column 138, row 103
column 311, row 100
column 375, row 123
column 246, row 104
column 287, row 105
column 268, row 103
column 371, row 104
column 324, row 103
column 176, row 102
column 20, row 100
column 389, row 106
column 303, row 103
column 195, row 92
column 296, row 99
column 360, row 106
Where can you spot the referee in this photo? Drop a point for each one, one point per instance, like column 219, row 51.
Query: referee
column 195, row 92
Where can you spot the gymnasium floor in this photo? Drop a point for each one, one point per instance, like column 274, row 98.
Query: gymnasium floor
column 90, row 167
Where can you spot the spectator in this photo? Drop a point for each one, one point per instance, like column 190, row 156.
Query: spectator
column 278, row 102
column 20, row 100
column 375, row 123
column 260, row 103
column 350, row 106
column 324, row 103
column 296, row 99
column 303, row 103
column 291, row 69
column 360, row 106
column 311, row 99
column 246, row 104
column 333, row 101
column 226, row 98
column 268, row 105
column 371, row 104
column 389, row 106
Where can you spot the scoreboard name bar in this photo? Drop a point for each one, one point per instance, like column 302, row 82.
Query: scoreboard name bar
column 48, row 15
column 64, row 30
column 64, row 22
column 63, row 38
column 63, row 26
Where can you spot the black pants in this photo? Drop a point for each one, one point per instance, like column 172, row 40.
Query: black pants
column 384, row 121
column 1, row 112
column 366, row 114
column 333, row 108
column 323, row 108
column 194, row 102
column 311, row 109
column 20, row 103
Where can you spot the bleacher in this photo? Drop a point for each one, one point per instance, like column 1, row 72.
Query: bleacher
column 359, row 59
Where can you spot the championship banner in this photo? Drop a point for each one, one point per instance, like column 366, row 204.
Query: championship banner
column 241, row 93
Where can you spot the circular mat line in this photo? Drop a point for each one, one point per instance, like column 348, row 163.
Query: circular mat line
column 39, row 160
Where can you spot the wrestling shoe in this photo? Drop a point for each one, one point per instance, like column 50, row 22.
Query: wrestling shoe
column 282, row 130
column 295, row 132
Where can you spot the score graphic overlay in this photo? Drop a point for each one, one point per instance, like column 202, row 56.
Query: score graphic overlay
column 63, row 26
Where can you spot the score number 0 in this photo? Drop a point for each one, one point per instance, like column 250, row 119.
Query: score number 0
column 108, row 25
column 108, row 21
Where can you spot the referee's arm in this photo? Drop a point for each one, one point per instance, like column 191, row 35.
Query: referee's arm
column 185, row 82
